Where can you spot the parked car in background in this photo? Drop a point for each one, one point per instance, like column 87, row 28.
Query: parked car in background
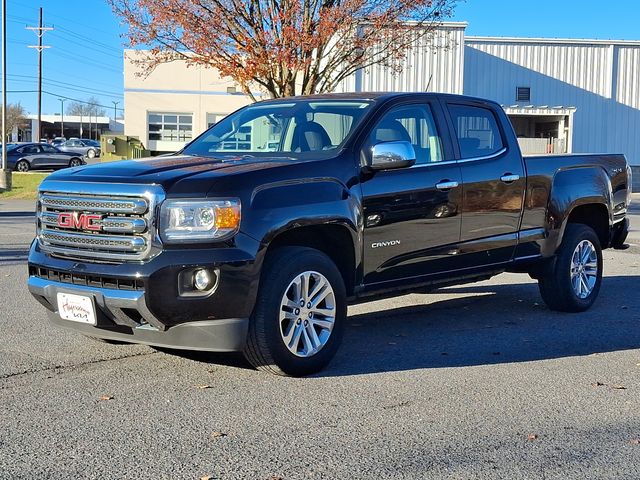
column 56, row 142
column 31, row 156
column 85, row 147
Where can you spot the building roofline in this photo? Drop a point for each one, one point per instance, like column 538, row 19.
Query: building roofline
column 550, row 41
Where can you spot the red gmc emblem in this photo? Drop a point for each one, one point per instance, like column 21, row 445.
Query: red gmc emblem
column 79, row 221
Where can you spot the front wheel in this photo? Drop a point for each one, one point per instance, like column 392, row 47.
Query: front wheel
column 572, row 283
column 75, row 162
column 300, row 312
column 23, row 166
column 91, row 153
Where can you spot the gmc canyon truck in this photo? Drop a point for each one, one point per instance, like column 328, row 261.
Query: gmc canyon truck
column 257, row 235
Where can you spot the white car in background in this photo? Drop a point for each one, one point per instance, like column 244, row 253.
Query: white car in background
column 84, row 146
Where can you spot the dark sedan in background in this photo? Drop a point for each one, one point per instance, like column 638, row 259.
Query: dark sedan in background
column 30, row 156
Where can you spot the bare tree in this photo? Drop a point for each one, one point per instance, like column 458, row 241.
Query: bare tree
column 90, row 107
column 16, row 117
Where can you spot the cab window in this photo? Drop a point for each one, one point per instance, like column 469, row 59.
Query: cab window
column 476, row 130
column 413, row 124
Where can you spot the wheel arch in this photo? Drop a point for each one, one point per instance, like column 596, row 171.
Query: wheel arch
column 583, row 196
column 335, row 239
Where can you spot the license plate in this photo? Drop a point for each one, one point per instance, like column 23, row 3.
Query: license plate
column 76, row 308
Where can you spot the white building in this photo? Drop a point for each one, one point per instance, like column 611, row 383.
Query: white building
column 562, row 95
column 66, row 126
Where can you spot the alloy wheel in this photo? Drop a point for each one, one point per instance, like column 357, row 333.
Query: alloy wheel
column 584, row 269
column 307, row 314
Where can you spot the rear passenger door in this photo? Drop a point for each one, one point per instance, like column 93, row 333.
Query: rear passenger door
column 493, row 180
column 411, row 215
column 33, row 153
column 53, row 158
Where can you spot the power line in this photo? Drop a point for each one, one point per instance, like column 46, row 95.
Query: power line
column 66, row 98
column 80, row 101
column 40, row 30
column 67, row 83
column 89, row 39
column 71, row 21
column 68, row 86
column 85, row 61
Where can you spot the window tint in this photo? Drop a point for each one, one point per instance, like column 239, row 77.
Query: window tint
column 413, row 124
column 48, row 149
column 477, row 131
column 30, row 149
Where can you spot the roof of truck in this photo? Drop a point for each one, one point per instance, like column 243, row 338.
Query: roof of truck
column 372, row 96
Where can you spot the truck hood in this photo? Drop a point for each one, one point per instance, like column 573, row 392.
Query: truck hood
column 166, row 171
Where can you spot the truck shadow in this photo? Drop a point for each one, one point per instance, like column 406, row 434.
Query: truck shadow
column 494, row 324
column 491, row 324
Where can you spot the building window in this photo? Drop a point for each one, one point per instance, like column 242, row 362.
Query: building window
column 213, row 118
column 171, row 127
column 523, row 94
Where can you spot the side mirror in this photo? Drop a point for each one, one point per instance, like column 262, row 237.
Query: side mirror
column 391, row 155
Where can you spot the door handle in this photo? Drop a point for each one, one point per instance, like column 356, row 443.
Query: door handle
column 509, row 178
column 446, row 185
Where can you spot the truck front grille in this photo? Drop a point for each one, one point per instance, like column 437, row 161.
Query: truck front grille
column 105, row 226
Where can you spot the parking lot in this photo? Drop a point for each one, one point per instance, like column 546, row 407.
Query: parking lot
column 476, row 381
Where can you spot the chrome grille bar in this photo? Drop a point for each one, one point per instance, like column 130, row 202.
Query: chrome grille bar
column 108, row 224
column 136, row 206
column 83, row 240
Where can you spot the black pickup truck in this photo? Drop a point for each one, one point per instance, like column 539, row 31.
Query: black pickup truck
column 257, row 235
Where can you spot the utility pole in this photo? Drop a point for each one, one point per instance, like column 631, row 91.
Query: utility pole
column 62, row 116
column 115, row 110
column 40, row 31
column 5, row 173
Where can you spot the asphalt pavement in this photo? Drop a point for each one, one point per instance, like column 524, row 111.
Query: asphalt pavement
column 479, row 381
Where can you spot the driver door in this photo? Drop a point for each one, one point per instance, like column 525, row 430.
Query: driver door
column 411, row 215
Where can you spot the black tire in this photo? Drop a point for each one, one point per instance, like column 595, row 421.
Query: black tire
column 265, row 348
column 555, row 284
column 23, row 166
column 75, row 162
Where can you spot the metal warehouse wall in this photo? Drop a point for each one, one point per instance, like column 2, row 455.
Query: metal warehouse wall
column 434, row 64
column 600, row 78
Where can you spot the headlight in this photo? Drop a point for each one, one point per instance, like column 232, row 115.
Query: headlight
column 199, row 220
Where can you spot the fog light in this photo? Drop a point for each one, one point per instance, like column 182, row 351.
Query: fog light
column 202, row 279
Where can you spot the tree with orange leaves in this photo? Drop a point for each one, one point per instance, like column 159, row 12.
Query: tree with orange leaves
column 284, row 47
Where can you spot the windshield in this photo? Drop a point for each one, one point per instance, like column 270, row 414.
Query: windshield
column 298, row 129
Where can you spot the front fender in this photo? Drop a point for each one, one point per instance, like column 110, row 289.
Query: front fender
column 281, row 206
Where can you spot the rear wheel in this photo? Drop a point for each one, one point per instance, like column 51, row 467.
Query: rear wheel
column 23, row 166
column 573, row 282
column 300, row 312
column 75, row 162
column 91, row 153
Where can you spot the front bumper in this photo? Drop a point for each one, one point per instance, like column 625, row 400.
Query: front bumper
column 221, row 335
column 140, row 302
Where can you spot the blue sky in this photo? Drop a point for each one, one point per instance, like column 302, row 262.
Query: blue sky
column 85, row 58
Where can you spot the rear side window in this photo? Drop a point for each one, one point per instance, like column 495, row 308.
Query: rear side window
column 29, row 149
column 477, row 131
